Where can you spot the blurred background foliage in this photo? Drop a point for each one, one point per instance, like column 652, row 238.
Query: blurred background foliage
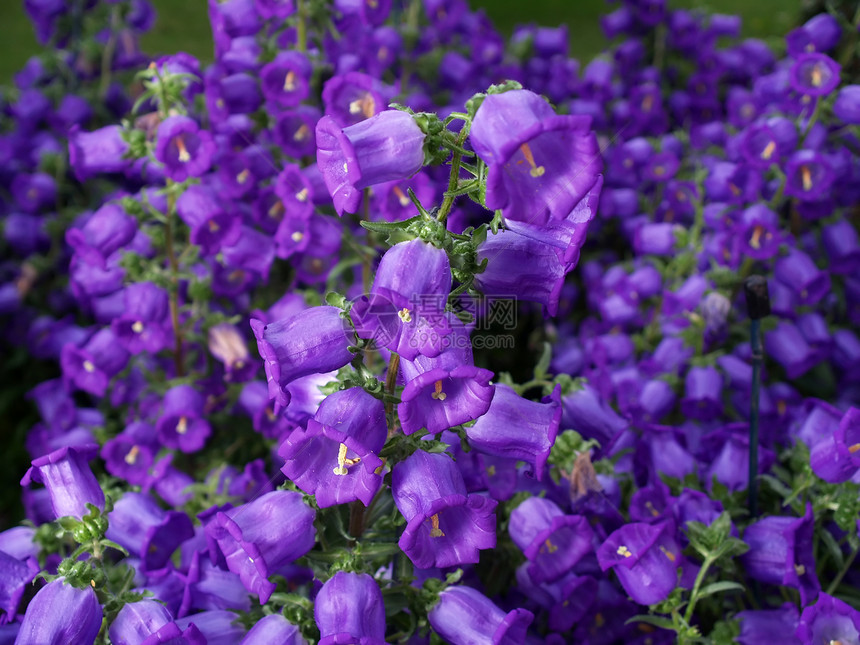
column 183, row 25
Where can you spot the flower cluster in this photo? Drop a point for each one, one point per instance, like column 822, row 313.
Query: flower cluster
column 253, row 293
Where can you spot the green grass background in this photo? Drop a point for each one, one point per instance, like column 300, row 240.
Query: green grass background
column 183, row 26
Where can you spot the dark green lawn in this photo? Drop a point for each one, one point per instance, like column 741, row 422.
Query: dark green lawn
column 183, row 26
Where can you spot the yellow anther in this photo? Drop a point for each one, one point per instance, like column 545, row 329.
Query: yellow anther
column 668, row 554
column 599, row 620
column 290, row 81
column 270, row 414
column 131, row 457
column 648, row 102
column 382, row 54
column 213, row 226
column 623, row 550
column 302, row 133
column 816, row 76
column 659, row 171
column 768, row 150
column 550, row 547
column 401, row 196
column 92, row 583
column 806, row 176
column 834, row 642
column 183, row 151
column 297, row 236
column 438, row 395
column 373, row 4
column 242, row 177
column 755, row 238
column 781, row 407
column 341, row 469
column 302, row 195
column 364, row 105
column 137, row 326
column 435, row 531
column 799, row 569
column 89, row 367
column 854, row 448
column 182, row 425
column 277, row 210
column 345, row 167
column 735, row 190
column 490, row 470
column 536, row 171
column 651, row 508
column 405, row 315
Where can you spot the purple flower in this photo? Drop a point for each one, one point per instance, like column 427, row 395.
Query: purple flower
column 516, row 428
column 184, row 149
column 829, row 620
column 140, row 525
column 781, row 553
column 552, row 541
column 260, row 537
column 787, row 346
column 769, row 625
column 210, row 587
column 130, row 454
column 842, row 247
column 285, row 80
column 353, row 97
column 70, row 482
column 444, row 525
column 645, row 557
column 106, row 231
column 541, row 164
column 349, row 609
column 182, row 424
column 335, row 458
column 310, row 342
column 141, row 327
column 808, row 175
column 847, row 105
column 97, row 152
column 385, row 147
column 814, row 74
column 294, row 131
column 16, row 574
column 212, row 227
column 275, row 629
column 227, row 345
column 702, row 389
column 465, row 616
column 60, row 614
column 138, row 620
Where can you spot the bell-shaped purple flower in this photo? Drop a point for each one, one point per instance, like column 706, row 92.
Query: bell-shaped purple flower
column 808, row 175
column 138, row 620
column 353, row 97
column 130, row 454
column 227, row 345
column 184, row 149
column 142, row 326
column 846, row 107
column 788, row 347
column 107, row 230
column 444, row 525
column 349, row 609
column 834, row 458
column 140, row 525
column 335, row 458
column 552, row 541
column 829, row 620
column 516, row 428
column 702, row 391
column 310, row 342
column 585, row 410
column 385, row 147
column 210, row 587
column 769, row 625
column 16, row 574
column 405, row 310
column 97, row 152
column 258, row 538
column 70, row 482
column 285, row 80
column 842, row 245
column 212, row 228
column 60, row 614
column 182, row 424
column 541, row 164
column 814, row 74
column 781, row 553
column 274, row 629
column 465, row 616
column 645, row 557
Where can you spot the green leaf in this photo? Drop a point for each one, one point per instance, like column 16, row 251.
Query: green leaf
column 658, row 621
column 719, row 587
column 336, row 299
column 543, row 364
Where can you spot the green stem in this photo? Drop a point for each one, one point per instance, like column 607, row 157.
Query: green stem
column 178, row 359
column 694, row 595
column 774, row 202
column 107, row 54
column 454, row 177
column 301, row 27
column 848, row 562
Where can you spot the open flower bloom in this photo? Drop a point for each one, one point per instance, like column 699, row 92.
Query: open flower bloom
column 541, row 164
column 212, row 228
column 836, row 458
column 551, row 541
column 184, row 149
column 274, row 629
column 60, row 613
column 143, row 323
column 258, row 538
column 70, row 482
column 285, row 80
column 465, row 616
column 385, row 147
column 781, row 553
column 183, row 424
column 445, row 526
column 349, row 609
column 829, row 620
column 814, row 74
column 769, row 625
column 335, row 457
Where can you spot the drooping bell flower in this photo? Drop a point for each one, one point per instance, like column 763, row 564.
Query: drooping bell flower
column 140, row 525
column 645, row 557
column 769, row 625
column 834, row 458
column 227, row 345
column 16, row 574
column 829, row 620
column 781, row 553
column 138, row 620
column 107, row 230
column 60, row 613
column 842, row 246
column 465, row 616
column 516, row 428
column 212, row 227
column 213, row 626
column 184, row 149
column 814, row 74
column 183, row 425
column 585, row 410
column 552, row 541
column 846, row 107
column 310, row 342
column 208, row 586
column 446, row 390
column 385, row 147
column 787, row 346
column 97, row 152
column 353, row 97
column 405, row 310
column 445, row 526
column 275, row 629
column 349, row 609
column 142, row 326
column 335, row 458
column 260, row 537
column 285, row 80
column 759, row 232
column 540, row 164
column 703, row 388
column 92, row 365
